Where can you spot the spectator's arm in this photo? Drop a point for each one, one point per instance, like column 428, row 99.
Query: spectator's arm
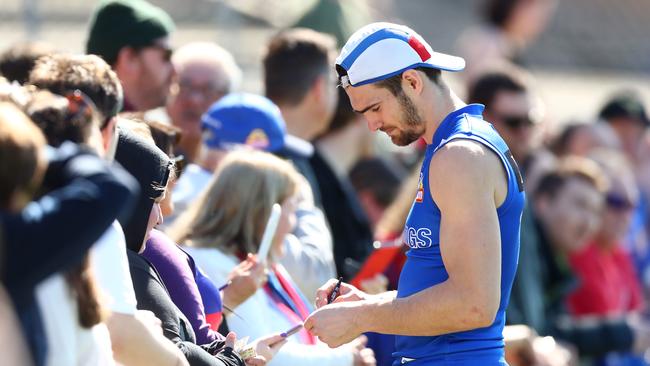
column 54, row 233
column 135, row 343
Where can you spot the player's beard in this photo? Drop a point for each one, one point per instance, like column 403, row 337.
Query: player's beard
column 412, row 124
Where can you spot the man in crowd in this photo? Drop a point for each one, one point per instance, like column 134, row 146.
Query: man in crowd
column 298, row 78
column 133, row 37
column 205, row 73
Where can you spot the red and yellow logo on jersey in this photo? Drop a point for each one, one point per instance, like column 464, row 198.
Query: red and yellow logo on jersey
column 419, row 197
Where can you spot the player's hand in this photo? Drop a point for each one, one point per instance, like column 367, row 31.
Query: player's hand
column 245, row 279
column 268, row 346
column 347, row 293
column 362, row 356
column 335, row 324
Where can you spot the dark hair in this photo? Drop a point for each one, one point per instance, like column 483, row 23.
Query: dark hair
column 560, row 144
column 21, row 153
column 625, row 104
column 379, row 177
column 497, row 12
column 294, row 59
column 165, row 136
column 18, row 61
column 394, row 83
column 90, row 74
column 487, row 86
column 82, row 281
column 69, row 118
column 572, row 167
column 343, row 115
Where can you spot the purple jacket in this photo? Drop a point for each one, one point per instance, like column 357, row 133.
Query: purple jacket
column 179, row 274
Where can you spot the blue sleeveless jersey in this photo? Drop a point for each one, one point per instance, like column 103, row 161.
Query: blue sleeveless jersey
column 424, row 267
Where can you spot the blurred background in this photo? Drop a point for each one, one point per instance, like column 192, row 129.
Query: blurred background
column 588, row 49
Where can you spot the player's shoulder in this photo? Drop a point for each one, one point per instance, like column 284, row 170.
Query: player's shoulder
column 465, row 153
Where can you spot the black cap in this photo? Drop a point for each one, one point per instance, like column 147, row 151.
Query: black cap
column 625, row 105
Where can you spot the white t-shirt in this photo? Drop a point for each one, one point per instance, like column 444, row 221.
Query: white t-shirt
column 111, row 267
column 191, row 184
column 68, row 343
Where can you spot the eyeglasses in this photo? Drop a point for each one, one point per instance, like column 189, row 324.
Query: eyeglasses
column 209, row 92
column 618, row 202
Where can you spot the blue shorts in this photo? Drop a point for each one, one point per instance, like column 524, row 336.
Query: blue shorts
column 490, row 357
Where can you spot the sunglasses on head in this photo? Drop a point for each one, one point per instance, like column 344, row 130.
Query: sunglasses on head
column 79, row 106
column 618, row 202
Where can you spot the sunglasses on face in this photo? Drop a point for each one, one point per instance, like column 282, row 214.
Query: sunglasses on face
column 618, row 202
column 166, row 51
column 517, row 122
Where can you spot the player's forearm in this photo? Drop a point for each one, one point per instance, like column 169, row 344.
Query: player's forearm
column 441, row 309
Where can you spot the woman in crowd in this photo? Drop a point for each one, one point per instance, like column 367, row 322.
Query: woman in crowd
column 151, row 168
column 227, row 223
column 198, row 298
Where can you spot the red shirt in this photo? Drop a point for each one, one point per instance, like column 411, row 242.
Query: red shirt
column 608, row 284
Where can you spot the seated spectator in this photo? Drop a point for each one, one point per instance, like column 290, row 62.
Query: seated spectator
column 151, row 167
column 227, row 222
column 567, row 211
column 607, row 283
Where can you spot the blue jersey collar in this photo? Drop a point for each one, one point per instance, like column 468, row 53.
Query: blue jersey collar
column 447, row 124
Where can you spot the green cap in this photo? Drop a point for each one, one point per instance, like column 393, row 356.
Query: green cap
column 120, row 23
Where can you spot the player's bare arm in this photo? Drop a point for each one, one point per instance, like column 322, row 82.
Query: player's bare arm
column 468, row 183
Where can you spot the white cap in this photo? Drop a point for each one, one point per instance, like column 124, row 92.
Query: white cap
column 381, row 50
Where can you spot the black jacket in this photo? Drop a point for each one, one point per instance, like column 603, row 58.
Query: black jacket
column 351, row 231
